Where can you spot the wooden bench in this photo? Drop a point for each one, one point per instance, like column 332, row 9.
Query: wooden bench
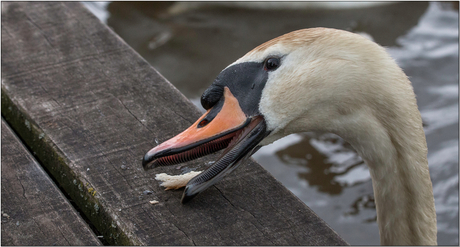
column 90, row 107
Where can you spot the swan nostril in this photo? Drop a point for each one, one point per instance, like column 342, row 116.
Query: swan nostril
column 203, row 123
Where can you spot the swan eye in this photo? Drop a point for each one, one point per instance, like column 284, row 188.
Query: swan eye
column 272, row 63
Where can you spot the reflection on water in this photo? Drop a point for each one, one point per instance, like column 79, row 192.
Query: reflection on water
column 190, row 43
column 338, row 162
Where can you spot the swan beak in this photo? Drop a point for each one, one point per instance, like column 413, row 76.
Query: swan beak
column 208, row 133
column 225, row 125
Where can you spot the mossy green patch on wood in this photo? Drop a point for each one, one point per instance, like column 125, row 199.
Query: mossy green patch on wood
column 92, row 191
column 57, row 165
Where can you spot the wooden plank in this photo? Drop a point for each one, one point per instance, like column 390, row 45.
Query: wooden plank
column 90, row 107
column 34, row 211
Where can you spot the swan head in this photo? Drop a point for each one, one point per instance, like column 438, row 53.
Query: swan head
column 308, row 80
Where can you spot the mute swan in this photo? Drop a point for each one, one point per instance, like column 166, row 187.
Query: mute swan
column 319, row 80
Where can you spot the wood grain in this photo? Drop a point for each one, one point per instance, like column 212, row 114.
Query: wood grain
column 90, row 107
column 34, row 211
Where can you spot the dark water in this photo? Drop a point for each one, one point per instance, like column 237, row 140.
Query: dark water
column 190, row 43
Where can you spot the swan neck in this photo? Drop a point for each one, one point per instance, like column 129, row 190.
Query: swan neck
column 397, row 159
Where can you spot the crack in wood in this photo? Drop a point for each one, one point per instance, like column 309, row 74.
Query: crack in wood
column 132, row 114
column 61, row 64
column 178, row 228
column 40, row 30
column 23, row 189
column 253, row 216
column 223, row 195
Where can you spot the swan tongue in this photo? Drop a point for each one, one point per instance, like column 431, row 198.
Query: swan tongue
column 242, row 146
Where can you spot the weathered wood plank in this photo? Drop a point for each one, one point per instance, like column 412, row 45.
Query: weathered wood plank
column 34, row 211
column 90, row 107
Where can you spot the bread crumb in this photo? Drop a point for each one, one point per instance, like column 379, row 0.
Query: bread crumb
column 175, row 182
column 154, row 202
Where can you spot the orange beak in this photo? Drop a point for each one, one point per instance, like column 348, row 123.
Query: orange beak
column 205, row 136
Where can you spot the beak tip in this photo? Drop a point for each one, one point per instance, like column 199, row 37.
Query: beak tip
column 147, row 162
column 187, row 195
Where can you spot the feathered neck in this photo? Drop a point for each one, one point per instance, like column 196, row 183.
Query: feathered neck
column 395, row 151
